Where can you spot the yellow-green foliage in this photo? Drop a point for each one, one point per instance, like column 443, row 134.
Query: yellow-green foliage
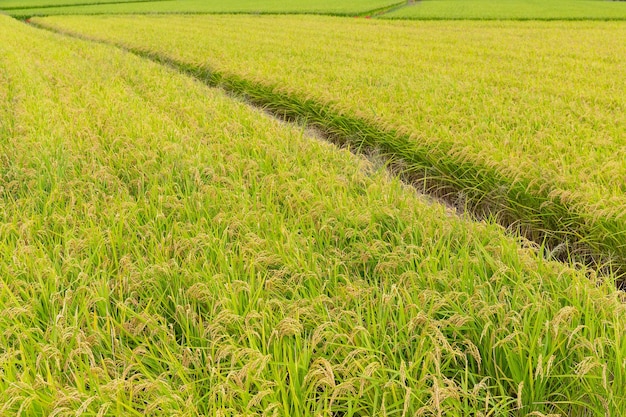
column 531, row 114
column 168, row 251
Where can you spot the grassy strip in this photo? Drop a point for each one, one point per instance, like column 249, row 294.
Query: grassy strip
column 167, row 250
column 526, row 206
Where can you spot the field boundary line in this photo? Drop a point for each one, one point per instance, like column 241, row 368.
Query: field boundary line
column 480, row 191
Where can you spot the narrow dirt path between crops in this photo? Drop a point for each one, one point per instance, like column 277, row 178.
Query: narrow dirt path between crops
column 382, row 12
column 328, row 126
column 388, row 9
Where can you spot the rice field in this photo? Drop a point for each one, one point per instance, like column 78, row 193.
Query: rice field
column 513, row 10
column 343, row 7
column 525, row 120
column 168, row 249
column 393, row 9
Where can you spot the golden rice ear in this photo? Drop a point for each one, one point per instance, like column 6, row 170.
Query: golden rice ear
column 168, row 249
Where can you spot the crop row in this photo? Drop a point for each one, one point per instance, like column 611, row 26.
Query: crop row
column 526, row 121
column 167, row 250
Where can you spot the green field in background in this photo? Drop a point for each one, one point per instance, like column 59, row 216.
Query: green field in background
column 8, row 5
column 343, row 7
column 513, row 9
column 424, row 9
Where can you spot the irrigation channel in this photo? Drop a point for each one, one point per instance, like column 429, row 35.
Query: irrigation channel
column 357, row 136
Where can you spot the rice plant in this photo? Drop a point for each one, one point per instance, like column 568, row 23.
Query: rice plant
column 523, row 120
column 166, row 250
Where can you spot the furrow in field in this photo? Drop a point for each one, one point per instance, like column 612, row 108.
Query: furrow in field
column 530, row 135
column 167, row 250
